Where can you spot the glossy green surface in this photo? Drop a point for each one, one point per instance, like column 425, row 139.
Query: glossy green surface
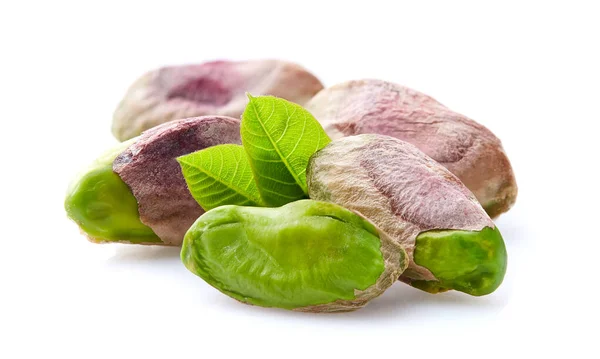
column 104, row 207
column 304, row 253
column 473, row 262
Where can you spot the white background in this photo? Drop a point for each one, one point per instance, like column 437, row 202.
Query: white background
column 528, row 71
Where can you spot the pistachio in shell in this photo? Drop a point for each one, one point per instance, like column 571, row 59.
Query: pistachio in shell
column 136, row 193
column 450, row 240
column 469, row 150
column 211, row 88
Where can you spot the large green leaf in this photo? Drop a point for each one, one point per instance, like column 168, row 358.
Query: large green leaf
column 279, row 137
column 220, row 175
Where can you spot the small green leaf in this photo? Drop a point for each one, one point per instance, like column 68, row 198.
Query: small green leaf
column 279, row 137
column 220, row 175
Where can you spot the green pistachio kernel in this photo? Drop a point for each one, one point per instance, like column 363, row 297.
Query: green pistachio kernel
column 306, row 255
column 104, row 207
column 473, row 262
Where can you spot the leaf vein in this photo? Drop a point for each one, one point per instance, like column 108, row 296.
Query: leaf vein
column 290, row 169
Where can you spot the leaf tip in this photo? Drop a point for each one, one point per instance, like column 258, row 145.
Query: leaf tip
column 181, row 159
column 250, row 97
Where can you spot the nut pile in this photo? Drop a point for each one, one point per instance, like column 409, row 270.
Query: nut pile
column 318, row 208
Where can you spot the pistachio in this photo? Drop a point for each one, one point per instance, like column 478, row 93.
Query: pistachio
column 136, row 193
column 306, row 256
column 104, row 207
column 211, row 88
column 469, row 150
column 449, row 238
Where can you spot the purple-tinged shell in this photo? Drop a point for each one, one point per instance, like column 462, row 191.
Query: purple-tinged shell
column 150, row 169
column 397, row 187
column 469, row 150
column 211, row 88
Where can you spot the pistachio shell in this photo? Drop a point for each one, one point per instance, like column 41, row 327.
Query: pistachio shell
column 211, row 88
column 149, row 167
column 469, row 150
column 405, row 193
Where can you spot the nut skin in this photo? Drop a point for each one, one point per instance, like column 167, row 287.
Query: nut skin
column 149, row 167
column 469, row 150
column 136, row 193
column 306, row 256
column 103, row 206
column 407, row 194
column 211, row 88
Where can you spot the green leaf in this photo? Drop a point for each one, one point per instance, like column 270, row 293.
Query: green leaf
column 279, row 137
column 220, row 175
